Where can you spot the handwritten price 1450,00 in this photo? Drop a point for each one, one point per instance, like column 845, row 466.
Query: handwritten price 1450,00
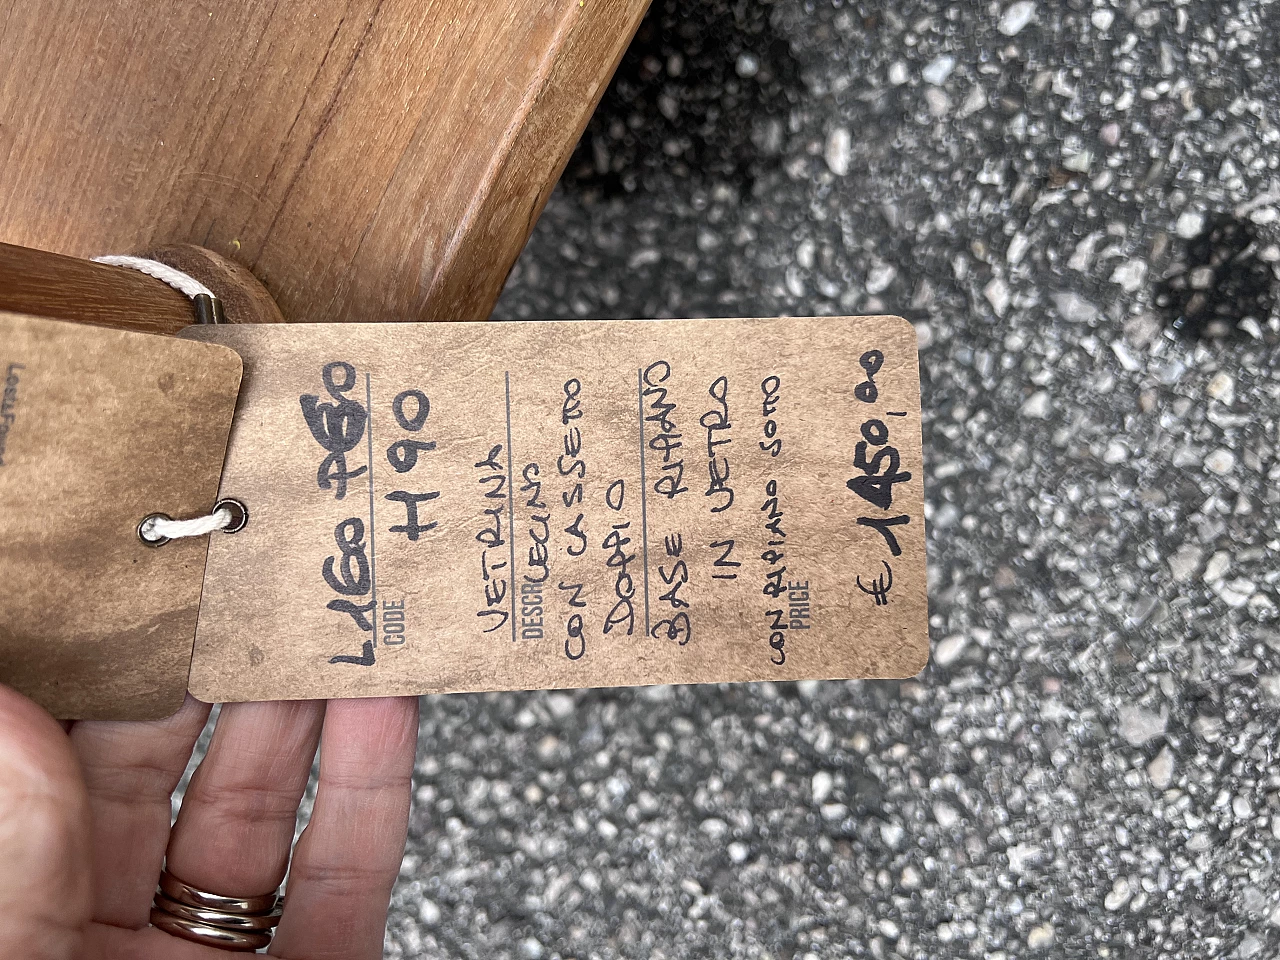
column 881, row 469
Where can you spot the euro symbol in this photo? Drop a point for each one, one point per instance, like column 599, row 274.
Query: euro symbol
column 879, row 587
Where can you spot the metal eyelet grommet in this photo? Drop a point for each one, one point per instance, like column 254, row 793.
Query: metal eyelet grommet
column 153, row 540
column 239, row 514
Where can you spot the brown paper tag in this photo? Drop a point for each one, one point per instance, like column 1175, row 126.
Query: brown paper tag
column 98, row 429
column 460, row 506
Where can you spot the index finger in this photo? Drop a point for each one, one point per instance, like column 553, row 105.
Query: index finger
column 131, row 768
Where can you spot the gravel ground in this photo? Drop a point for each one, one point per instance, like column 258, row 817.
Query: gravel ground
column 1089, row 765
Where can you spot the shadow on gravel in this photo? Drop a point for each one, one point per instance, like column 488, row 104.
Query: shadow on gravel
column 1220, row 284
column 704, row 90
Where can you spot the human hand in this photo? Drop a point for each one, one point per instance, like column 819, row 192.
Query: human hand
column 85, row 825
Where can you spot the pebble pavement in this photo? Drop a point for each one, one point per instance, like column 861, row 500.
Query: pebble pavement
column 1088, row 768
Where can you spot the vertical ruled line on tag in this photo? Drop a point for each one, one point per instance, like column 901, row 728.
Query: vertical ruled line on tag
column 373, row 553
column 644, row 498
column 511, row 508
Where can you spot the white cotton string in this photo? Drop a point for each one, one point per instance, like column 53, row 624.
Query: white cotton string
column 180, row 281
column 158, row 529
column 161, row 528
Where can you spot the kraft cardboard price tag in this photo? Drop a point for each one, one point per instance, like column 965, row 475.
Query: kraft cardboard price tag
column 98, row 429
column 460, row 506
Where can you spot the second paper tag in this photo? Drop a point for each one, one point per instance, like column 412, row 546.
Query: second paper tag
column 492, row 506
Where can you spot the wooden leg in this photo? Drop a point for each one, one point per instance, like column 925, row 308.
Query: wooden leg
column 69, row 288
column 366, row 159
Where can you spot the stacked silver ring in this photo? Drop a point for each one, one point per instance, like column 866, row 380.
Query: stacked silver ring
column 232, row 923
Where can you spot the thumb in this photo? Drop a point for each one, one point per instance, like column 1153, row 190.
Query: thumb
column 44, row 836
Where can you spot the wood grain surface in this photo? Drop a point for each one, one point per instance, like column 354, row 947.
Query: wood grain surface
column 68, row 288
column 58, row 287
column 367, row 160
